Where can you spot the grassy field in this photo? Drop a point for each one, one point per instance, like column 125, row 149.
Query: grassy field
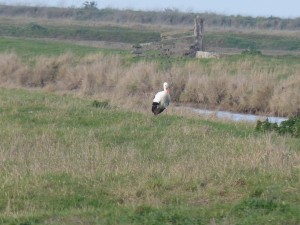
column 79, row 144
column 134, row 34
column 31, row 48
column 77, row 32
column 67, row 160
column 254, row 40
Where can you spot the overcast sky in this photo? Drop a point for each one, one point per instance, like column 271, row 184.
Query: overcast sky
column 285, row 9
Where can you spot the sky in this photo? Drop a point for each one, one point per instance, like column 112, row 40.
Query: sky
column 266, row 8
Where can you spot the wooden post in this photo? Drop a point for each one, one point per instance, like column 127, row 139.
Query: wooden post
column 198, row 33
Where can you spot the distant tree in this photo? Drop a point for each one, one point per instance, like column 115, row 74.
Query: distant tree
column 90, row 5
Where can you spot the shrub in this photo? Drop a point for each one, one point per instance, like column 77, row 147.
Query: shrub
column 290, row 126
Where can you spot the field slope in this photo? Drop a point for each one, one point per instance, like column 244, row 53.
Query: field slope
column 66, row 160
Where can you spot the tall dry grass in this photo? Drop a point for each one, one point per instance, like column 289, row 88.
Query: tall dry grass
column 247, row 85
column 12, row 70
column 285, row 99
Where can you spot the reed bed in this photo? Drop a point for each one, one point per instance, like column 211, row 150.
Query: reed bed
column 248, row 84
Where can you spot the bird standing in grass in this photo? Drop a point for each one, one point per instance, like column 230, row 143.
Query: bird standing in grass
column 161, row 100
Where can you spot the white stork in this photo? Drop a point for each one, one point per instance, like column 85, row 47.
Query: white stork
column 161, row 100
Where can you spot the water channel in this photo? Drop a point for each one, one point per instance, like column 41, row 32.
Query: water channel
column 237, row 117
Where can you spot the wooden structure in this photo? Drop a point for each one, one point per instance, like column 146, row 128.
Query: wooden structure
column 198, row 33
column 183, row 42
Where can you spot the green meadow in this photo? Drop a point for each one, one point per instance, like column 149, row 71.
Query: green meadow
column 254, row 40
column 77, row 32
column 30, row 48
column 70, row 160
